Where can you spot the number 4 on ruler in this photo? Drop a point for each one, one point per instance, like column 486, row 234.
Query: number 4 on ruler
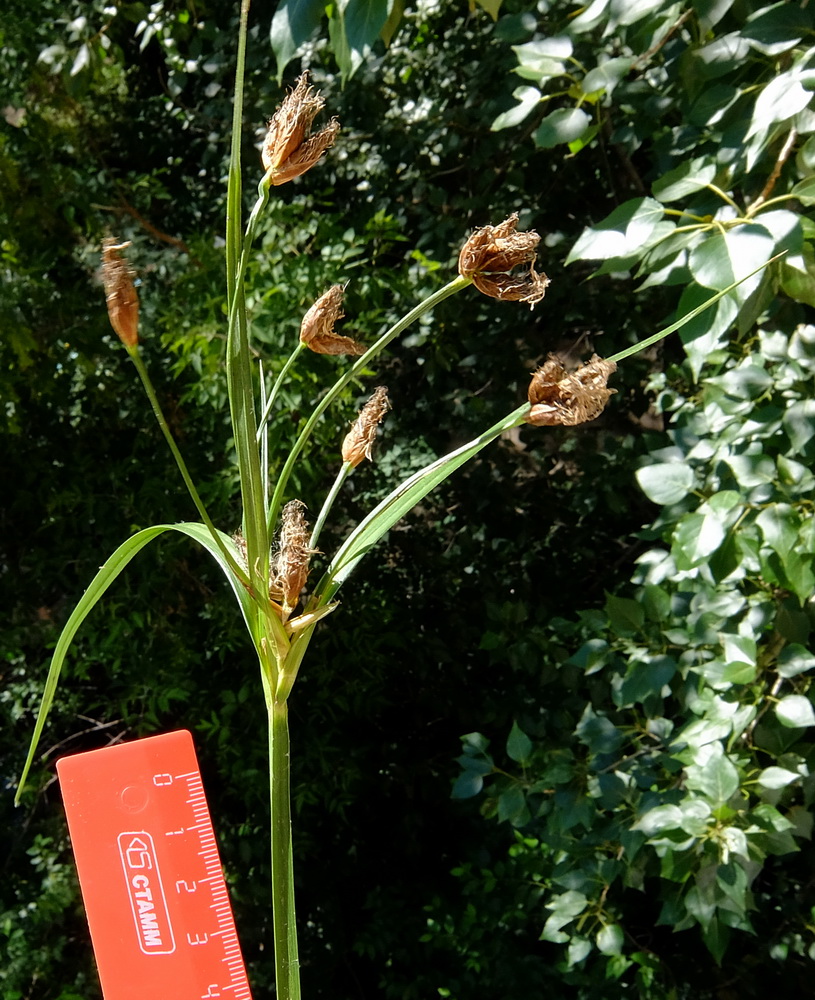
column 154, row 893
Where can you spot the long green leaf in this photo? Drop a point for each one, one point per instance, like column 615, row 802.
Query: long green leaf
column 382, row 518
column 99, row 586
column 238, row 357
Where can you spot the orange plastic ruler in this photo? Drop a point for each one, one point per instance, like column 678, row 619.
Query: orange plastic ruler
column 151, row 879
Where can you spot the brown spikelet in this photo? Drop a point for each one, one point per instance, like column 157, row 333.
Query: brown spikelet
column 288, row 149
column 291, row 564
column 317, row 328
column 120, row 293
column 492, row 252
column 558, row 397
column 360, row 439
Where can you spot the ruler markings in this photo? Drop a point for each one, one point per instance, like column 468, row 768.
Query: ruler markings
column 133, row 791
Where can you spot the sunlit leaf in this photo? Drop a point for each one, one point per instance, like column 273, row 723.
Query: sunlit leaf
column 795, row 710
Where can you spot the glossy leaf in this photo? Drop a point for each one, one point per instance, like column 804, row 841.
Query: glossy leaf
column 562, row 126
column 624, row 231
column 732, row 256
column 293, row 24
column 795, row 710
column 689, row 177
column 528, row 99
column 666, row 482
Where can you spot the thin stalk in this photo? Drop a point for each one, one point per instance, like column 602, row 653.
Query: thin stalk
column 267, row 407
column 287, row 964
column 342, row 475
column 449, row 289
column 238, row 360
column 662, row 334
column 135, row 357
column 723, row 195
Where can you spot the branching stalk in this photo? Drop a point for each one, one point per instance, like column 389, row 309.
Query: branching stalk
column 432, row 300
column 268, row 406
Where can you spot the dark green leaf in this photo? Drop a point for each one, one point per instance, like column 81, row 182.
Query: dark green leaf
column 716, row 937
column 293, row 24
column 625, row 616
column 519, row 745
column 512, row 806
column 364, row 21
column 592, row 656
column 467, row 785
column 777, row 28
column 597, row 732
column 644, row 679
column 706, row 333
column 794, row 660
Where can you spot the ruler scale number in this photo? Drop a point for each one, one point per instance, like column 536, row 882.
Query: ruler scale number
column 157, row 904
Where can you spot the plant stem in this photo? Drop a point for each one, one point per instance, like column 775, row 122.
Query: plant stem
column 240, row 385
column 287, row 964
column 449, row 289
column 135, row 357
column 267, row 408
column 342, row 475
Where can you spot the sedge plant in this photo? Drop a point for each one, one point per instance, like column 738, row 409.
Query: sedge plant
column 268, row 561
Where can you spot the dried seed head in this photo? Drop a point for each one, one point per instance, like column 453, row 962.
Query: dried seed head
column 360, row 439
column 317, row 328
column 492, row 252
column 288, row 150
column 558, row 397
column 291, row 563
column 120, row 292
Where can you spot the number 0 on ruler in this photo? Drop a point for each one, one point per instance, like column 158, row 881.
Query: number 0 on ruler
column 154, row 893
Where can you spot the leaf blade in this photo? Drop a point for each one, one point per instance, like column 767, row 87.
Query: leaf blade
column 98, row 587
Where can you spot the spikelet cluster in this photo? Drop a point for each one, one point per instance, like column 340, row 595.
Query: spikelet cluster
column 491, row 257
column 288, row 149
column 290, row 566
column 360, row 439
column 317, row 327
column 120, row 293
column 559, row 397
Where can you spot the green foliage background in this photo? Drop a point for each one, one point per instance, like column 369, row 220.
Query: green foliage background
column 618, row 615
